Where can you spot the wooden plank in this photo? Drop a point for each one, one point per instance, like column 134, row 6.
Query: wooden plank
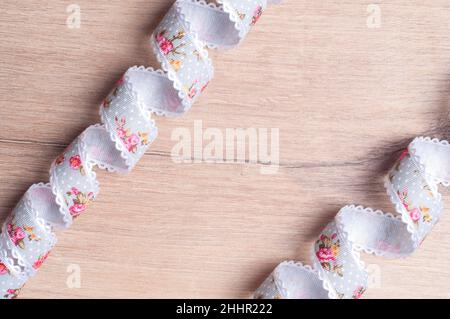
column 345, row 97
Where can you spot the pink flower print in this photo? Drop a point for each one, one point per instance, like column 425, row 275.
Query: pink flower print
column 38, row 263
column 3, row 269
column 60, row 159
column 74, row 191
column 128, row 138
column 257, row 15
column 165, row 45
column 17, row 235
column 415, row 215
column 357, row 294
column 77, row 209
column 11, row 293
column 120, row 82
column 404, row 155
column 121, row 132
column 106, row 103
column 192, row 91
column 75, row 162
column 80, row 201
column 204, row 87
column 325, row 254
column 132, row 142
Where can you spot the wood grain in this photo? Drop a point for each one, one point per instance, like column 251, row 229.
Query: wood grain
column 345, row 97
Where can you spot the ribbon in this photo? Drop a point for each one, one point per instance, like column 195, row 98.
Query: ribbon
column 126, row 131
column 338, row 271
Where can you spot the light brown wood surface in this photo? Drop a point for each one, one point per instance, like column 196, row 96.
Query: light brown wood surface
column 346, row 98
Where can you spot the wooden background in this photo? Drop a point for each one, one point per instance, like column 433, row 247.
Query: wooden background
column 345, row 97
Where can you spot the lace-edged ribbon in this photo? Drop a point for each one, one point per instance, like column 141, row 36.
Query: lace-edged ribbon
column 127, row 128
column 338, row 271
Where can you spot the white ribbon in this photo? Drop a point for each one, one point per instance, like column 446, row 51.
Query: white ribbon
column 127, row 129
column 338, row 271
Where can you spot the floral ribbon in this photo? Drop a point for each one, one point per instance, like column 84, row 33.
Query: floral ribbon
column 338, row 271
column 126, row 130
